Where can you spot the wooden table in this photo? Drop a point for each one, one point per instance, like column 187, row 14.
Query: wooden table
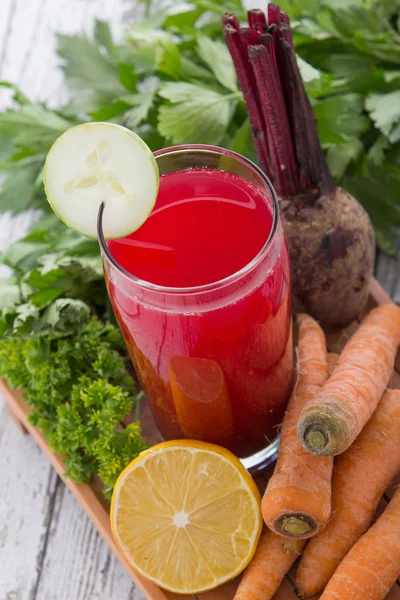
column 48, row 548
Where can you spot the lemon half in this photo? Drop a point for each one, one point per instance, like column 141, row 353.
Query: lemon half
column 186, row 515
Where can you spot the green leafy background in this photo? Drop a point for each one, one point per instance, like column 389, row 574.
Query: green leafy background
column 171, row 80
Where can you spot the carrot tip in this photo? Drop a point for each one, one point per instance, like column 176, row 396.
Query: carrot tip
column 296, row 525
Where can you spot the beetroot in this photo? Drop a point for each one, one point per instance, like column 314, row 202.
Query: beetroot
column 330, row 237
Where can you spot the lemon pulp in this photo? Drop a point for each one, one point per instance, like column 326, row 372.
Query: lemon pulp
column 186, row 515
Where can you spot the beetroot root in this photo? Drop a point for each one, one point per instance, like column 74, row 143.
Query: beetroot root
column 332, row 249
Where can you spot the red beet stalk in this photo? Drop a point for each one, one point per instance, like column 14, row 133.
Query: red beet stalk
column 280, row 114
column 329, row 235
column 256, row 16
column 238, row 51
column 274, row 111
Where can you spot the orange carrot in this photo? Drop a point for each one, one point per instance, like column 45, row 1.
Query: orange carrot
column 372, row 566
column 360, row 477
column 273, row 558
column 200, row 396
column 333, row 361
column 297, row 501
column 312, row 361
column 331, row 422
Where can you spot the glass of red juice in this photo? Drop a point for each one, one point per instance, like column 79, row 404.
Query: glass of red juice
column 201, row 293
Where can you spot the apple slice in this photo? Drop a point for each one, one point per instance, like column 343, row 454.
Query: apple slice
column 101, row 162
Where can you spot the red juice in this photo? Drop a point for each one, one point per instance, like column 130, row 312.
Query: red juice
column 215, row 362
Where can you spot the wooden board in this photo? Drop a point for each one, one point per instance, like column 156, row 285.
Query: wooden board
column 90, row 498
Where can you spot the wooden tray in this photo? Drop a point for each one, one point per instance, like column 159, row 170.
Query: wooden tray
column 96, row 507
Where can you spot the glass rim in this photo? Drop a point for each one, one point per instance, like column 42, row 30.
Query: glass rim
column 147, row 285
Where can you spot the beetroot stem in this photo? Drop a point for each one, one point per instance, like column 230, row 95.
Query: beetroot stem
column 285, row 20
column 280, row 114
column 256, row 16
column 247, row 83
column 272, row 104
column 274, row 14
column 249, row 35
column 230, row 19
column 310, row 157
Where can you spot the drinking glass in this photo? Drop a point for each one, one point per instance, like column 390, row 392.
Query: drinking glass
column 214, row 360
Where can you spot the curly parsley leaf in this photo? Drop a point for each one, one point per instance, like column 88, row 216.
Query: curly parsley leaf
column 80, row 391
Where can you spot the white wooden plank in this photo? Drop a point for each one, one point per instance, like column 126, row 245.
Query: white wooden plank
column 6, row 18
column 78, row 564
column 18, row 38
column 27, row 485
column 7, row 12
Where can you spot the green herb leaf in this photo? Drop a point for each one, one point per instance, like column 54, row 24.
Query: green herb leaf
column 376, row 153
column 147, row 45
column 242, row 142
column 64, row 313
column 127, row 77
column 108, row 113
column 384, row 110
column 18, row 96
column 85, row 67
column 339, row 157
column 195, row 73
column 33, row 126
column 216, row 56
column 195, row 113
column 168, row 59
column 103, row 38
column 26, row 314
column 45, row 297
column 340, row 118
column 371, row 191
column 141, row 105
column 19, row 188
column 10, row 295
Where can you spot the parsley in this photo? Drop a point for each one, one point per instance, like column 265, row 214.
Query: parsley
column 354, row 50
column 194, row 113
column 80, row 391
column 70, row 364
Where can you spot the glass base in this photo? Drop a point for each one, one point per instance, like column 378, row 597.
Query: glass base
column 262, row 459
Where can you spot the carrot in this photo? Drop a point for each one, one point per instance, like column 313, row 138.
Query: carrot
column 360, row 477
column 333, row 361
column 297, row 501
column 200, row 396
column 273, row 558
column 312, row 356
column 331, row 422
column 373, row 564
